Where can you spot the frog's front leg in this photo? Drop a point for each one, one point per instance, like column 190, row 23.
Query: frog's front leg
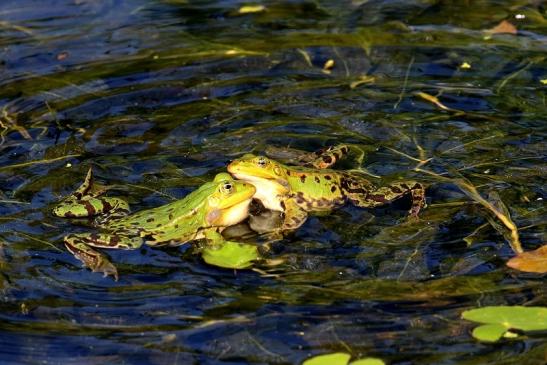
column 295, row 215
column 80, row 246
column 364, row 195
column 227, row 254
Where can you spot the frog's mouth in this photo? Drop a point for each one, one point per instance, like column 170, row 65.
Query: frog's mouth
column 248, row 174
column 267, row 189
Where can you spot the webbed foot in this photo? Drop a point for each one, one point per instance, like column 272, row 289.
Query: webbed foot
column 107, row 268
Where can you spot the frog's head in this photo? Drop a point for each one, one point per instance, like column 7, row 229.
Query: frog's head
column 228, row 202
column 251, row 167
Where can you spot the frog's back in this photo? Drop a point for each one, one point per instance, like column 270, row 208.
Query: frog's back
column 323, row 189
column 315, row 189
column 181, row 214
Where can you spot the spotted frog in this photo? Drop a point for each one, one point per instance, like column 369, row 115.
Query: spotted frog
column 202, row 214
column 299, row 190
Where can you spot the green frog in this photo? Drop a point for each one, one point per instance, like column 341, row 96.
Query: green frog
column 202, row 214
column 299, row 190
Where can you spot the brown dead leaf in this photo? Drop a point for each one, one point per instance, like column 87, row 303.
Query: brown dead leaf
column 503, row 27
column 530, row 261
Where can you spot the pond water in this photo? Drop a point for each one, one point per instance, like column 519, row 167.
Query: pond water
column 158, row 96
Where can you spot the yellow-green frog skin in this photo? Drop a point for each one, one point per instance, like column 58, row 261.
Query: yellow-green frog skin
column 297, row 190
column 204, row 213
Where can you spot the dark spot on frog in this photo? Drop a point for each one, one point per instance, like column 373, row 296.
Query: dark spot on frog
column 106, row 205
column 158, row 225
column 114, row 240
column 333, row 188
column 170, row 216
column 396, row 189
column 303, row 178
column 300, row 198
column 176, row 226
column 282, row 204
column 150, row 220
column 288, row 173
column 328, row 177
column 317, row 180
column 377, row 198
column 89, row 207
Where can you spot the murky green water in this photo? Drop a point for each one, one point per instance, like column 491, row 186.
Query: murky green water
column 159, row 95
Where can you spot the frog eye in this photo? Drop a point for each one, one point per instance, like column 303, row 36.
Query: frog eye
column 261, row 162
column 227, row 187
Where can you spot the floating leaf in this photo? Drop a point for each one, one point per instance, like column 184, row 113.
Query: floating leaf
column 231, row 255
column 337, row 358
column 489, row 332
column 530, row 261
column 503, row 27
column 500, row 319
column 510, row 334
column 341, row 358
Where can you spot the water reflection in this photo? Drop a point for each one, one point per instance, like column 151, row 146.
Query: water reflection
column 160, row 95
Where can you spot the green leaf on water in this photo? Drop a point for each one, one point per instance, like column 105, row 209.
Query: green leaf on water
column 341, row 358
column 498, row 320
column 337, row 358
column 489, row 332
column 231, row 255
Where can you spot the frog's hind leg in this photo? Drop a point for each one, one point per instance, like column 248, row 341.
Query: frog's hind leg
column 91, row 207
column 86, row 201
column 325, row 157
column 88, row 187
column 373, row 197
column 80, row 246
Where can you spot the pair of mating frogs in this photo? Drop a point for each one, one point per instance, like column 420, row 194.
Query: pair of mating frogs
column 206, row 212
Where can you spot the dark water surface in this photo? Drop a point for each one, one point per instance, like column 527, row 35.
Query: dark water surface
column 159, row 95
